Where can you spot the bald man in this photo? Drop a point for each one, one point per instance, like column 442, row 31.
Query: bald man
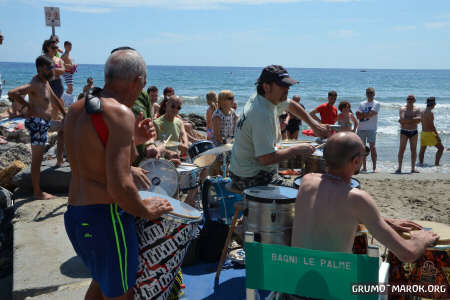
column 328, row 210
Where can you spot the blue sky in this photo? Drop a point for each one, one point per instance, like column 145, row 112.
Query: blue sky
column 410, row 34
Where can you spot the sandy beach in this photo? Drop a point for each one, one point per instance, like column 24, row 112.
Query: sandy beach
column 410, row 196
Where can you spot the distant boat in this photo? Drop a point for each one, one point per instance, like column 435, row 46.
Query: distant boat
column 363, row 71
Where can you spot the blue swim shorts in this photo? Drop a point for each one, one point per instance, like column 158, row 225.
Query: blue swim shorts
column 38, row 130
column 104, row 236
column 369, row 136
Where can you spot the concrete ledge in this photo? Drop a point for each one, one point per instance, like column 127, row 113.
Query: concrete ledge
column 44, row 260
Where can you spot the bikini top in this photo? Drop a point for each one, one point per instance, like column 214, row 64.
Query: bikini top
column 345, row 124
column 94, row 108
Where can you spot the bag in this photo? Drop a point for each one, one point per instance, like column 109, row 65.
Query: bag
column 212, row 240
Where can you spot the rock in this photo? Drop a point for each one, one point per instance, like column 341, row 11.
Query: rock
column 52, row 180
column 14, row 151
column 199, row 121
column 7, row 174
column 5, row 198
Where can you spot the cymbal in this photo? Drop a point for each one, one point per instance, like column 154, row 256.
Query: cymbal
column 218, row 150
column 204, row 160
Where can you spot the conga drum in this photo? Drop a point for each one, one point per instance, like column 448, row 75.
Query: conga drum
column 163, row 243
column 315, row 163
column 432, row 270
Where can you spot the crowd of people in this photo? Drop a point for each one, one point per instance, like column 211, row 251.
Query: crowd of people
column 110, row 130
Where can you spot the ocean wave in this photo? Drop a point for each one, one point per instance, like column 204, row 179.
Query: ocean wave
column 397, row 105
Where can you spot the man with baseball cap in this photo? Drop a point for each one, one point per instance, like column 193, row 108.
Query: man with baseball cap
column 254, row 158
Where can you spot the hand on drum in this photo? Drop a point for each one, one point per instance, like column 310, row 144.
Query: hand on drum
column 144, row 129
column 322, row 130
column 151, row 151
column 140, row 179
column 303, row 149
column 429, row 237
column 401, row 225
column 156, row 207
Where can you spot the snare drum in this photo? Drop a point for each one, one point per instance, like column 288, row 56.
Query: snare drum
column 163, row 244
column 198, row 148
column 270, row 213
column 315, row 163
column 162, row 175
column 433, row 268
column 354, row 183
column 188, row 176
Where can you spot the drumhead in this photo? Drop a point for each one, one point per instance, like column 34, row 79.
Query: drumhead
column 268, row 194
column 186, row 168
column 442, row 230
column 204, row 160
column 163, row 176
column 180, row 209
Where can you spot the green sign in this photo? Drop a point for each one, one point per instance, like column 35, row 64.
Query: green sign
column 308, row 273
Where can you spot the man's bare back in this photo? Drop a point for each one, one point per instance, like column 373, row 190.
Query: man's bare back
column 321, row 202
column 428, row 120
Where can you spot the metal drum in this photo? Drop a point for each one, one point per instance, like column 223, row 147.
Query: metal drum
column 188, row 176
column 296, row 162
column 270, row 213
column 354, row 183
column 163, row 176
column 315, row 163
column 199, row 147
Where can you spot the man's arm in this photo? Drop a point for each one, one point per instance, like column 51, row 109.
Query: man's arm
column 298, row 111
column 119, row 182
column 313, row 114
column 18, row 93
column 216, row 124
column 282, row 154
column 365, row 210
column 57, row 102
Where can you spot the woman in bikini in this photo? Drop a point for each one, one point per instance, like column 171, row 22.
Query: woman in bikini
column 346, row 118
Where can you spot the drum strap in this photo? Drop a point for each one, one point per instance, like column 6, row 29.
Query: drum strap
column 94, row 107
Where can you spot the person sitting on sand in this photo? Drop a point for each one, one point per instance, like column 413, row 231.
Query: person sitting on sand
column 41, row 99
column 211, row 100
column 346, row 119
column 429, row 135
column 409, row 119
column 348, row 207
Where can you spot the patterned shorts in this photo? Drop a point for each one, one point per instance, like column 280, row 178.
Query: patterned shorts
column 38, row 129
column 261, row 179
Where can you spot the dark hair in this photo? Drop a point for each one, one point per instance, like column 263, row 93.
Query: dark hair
column 152, row 88
column 43, row 61
column 122, row 48
column 338, row 151
column 431, row 101
column 167, row 90
column 332, row 93
column 67, row 43
column 87, row 80
column 47, row 44
column 162, row 107
column 260, row 89
column 343, row 104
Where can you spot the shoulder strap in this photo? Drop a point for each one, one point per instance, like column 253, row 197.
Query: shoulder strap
column 94, row 107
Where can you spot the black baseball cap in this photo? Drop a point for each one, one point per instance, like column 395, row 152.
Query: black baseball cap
column 277, row 74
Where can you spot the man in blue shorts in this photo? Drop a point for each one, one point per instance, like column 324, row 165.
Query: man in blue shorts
column 100, row 134
column 41, row 99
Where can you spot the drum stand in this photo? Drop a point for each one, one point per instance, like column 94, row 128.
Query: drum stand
column 239, row 206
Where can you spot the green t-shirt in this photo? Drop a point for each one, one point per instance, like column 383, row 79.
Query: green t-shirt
column 255, row 135
column 166, row 128
column 142, row 104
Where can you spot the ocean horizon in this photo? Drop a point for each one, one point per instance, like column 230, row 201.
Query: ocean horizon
column 391, row 86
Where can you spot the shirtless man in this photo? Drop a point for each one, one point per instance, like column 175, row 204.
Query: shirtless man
column 328, row 209
column 409, row 118
column 69, row 66
column 152, row 92
column 103, row 199
column 40, row 106
column 429, row 135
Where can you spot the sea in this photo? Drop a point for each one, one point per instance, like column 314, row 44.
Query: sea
column 391, row 87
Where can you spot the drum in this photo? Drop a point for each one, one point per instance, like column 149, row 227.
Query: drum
column 188, row 176
column 218, row 200
column 163, row 244
column 433, row 268
column 296, row 162
column 199, row 147
column 270, row 213
column 163, row 176
column 315, row 163
column 354, row 183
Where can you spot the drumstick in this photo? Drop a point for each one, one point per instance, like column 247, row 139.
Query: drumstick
column 165, row 142
column 319, row 146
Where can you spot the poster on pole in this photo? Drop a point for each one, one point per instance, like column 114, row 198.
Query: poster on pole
column 52, row 16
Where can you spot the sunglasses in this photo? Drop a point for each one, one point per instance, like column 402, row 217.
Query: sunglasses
column 230, row 98
column 410, row 99
column 176, row 107
column 54, row 47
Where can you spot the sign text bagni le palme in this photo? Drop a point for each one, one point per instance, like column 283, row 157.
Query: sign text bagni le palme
column 312, row 261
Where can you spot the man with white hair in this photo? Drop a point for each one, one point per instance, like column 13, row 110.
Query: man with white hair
column 100, row 137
